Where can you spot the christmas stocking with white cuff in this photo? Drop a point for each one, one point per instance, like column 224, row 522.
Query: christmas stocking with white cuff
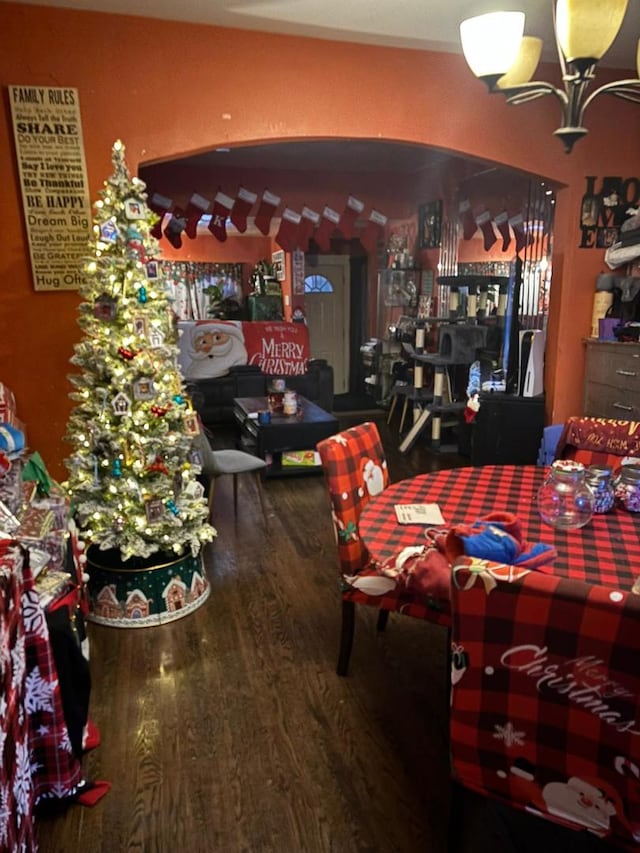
column 241, row 206
column 502, row 225
column 160, row 205
column 308, row 222
column 373, row 231
column 195, row 208
column 485, row 225
column 287, row 236
column 222, row 205
column 175, row 227
column 467, row 220
column 266, row 209
column 522, row 238
column 329, row 221
column 353, row 209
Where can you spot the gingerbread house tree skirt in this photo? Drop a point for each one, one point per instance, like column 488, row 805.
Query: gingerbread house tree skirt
column 139, row 593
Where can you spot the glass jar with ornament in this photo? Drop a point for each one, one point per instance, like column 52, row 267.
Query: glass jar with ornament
column 565, row 500
column 627, row 487
column 599, row 478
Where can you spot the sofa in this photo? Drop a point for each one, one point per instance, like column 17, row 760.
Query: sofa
column 222, row 359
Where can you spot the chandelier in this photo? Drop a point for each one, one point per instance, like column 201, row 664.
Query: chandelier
column 498, row 53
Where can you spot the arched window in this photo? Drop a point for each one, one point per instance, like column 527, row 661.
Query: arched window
column 317, row 284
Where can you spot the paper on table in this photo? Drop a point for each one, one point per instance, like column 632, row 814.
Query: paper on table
column 419, row 514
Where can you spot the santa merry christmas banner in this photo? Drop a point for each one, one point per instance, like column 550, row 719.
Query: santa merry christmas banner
column 210, row 348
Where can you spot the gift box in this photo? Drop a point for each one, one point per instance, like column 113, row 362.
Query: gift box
column 11, row 488
column 56, row 504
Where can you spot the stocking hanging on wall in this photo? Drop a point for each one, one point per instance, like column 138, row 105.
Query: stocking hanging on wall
column 287, row 236
column 308, row 222
column 222, row 205
column 467, row 220
column 241, row 206
column 160, row 205
column 195, row 208
column 373, row 231
column 484, row 223
column 502, row 224
column 329, row 221
column 266, row 210
column 175, row 227
column 522, row 238
column 352, row 210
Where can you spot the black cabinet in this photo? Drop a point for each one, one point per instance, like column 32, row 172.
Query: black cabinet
column 507, row 430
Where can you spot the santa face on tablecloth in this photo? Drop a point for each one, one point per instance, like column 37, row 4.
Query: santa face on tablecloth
column 214, row 349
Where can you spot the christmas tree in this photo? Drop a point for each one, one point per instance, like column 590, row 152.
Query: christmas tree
column 133, row 472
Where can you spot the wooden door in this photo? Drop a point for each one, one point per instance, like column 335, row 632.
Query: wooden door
column 328, row 315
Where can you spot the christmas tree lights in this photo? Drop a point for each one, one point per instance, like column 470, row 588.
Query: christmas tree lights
column 133, row 470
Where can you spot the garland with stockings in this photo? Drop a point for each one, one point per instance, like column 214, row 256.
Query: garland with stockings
column 510, row 228
column 295, row 230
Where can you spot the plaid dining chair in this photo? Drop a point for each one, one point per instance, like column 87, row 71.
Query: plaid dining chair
column 598, row 441
column 356, row 470
column 545, row 699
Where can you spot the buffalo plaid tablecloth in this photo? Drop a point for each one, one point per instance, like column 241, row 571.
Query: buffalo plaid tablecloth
column 605, row 552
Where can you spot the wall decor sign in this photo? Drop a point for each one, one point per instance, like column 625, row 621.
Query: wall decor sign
column 605, row 206
column 278, row 262
column 53, row 176
column 430, row 225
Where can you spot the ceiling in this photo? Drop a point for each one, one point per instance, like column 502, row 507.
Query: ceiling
column 418, row 24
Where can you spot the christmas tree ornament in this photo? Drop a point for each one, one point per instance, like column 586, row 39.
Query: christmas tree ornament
column 133, row 208
column 172, row 507
column 142, row 294
column 109, row 231
column 196, row 207
column 116, row 468
column 121, row 404
column 160, row 205
column 143, row 389
column 483, row 222
column 352, row 210
column 329, row 222
column 159, row 411
column 244, row 201
column 266, row 211
column 222, row 205
column 287, row 236
column 373, row 231
column 179, row 399
column 158, row 467
column 126, row 353
column 105, row 307
column 467, row 219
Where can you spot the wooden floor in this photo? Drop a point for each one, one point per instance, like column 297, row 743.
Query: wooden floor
column 229, row 730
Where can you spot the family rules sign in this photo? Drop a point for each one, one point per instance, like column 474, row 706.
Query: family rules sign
column 53, row 176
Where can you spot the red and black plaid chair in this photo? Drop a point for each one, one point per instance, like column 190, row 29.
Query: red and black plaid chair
column 545, row 698
column 355, row 470
column 598, row 441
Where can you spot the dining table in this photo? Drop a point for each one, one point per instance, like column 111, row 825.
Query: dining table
column 605, row 552
column 543, row 691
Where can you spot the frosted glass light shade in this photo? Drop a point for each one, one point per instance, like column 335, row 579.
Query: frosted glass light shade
column 525, row 65
column 587, row 28
column 491, row 42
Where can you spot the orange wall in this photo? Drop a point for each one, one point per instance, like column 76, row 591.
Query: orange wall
column 169, row 89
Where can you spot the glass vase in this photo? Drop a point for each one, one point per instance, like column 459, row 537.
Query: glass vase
column 565, row 500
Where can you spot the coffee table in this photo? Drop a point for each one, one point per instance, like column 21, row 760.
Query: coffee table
column 281, row 441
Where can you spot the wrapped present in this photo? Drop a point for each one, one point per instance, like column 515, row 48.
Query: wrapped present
column 10, row 486
column 55, row 544
column 57, row 504
column 7, row 404
column 35, row 524
column 11, row 439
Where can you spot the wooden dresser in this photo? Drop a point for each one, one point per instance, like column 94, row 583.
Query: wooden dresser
column 612, row 380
